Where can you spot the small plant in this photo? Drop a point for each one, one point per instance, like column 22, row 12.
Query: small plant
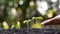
column 40, row 18
column 12, row 26
column 38, row 21
column 17, row 26
column 26, row 22
column 5, row 25
column 33, row 18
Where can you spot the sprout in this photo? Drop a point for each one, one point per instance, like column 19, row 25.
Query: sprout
column 17, row 26
column 38, row 21
column 5, row 25
column 40, row 18
column 33, row 18
column 27, row 21
column 12, row 26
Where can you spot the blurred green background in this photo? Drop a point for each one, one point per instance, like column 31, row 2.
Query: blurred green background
column 13, row 12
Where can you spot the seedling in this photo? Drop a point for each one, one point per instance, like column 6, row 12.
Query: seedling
column 12, row 26
column 17, row 26
column 40, row 18
column 33, row 18
column 38, row 21
column 5, row 25
column 27, row 22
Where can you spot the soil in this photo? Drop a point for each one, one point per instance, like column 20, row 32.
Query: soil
column 29, row 31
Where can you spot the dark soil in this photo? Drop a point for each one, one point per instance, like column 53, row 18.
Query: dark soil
column 29, row 31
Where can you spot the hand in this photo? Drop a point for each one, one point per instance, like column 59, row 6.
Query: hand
column 52, row 21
